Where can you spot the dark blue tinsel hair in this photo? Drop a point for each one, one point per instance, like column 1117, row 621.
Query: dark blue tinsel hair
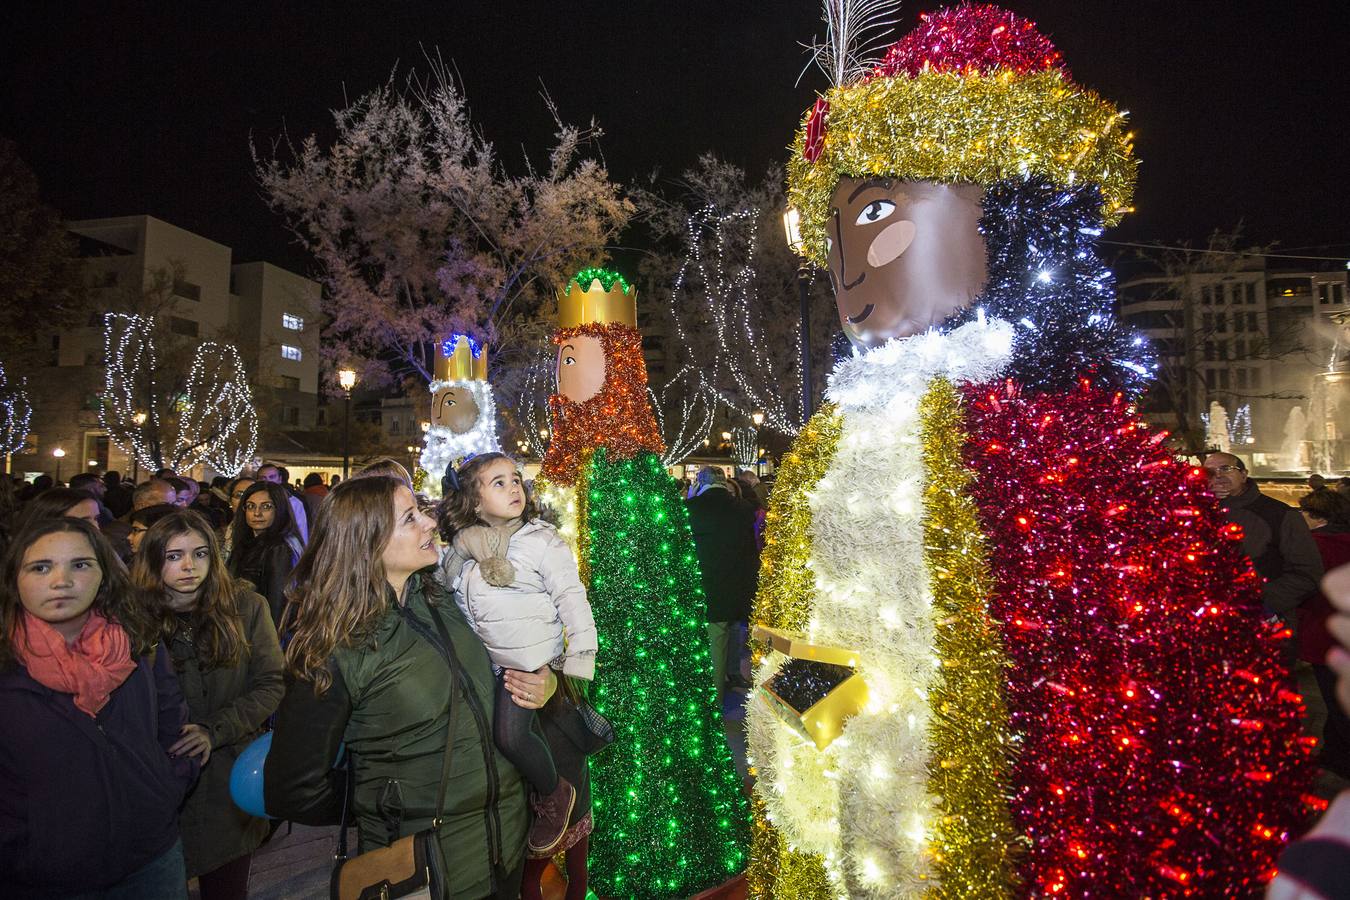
column 1046, row 279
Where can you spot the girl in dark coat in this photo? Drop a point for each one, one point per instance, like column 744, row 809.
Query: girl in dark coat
column 89, row 783
column 265, row 545
column 225, row 651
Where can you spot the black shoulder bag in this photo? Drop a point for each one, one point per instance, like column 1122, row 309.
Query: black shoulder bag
column 409, row 868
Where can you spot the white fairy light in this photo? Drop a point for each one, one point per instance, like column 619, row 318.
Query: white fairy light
column 212, row 420
column 739, row 372
column 16, row 411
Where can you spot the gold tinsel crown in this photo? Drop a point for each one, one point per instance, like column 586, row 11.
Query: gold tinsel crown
column 598, row 296
column 461, row 358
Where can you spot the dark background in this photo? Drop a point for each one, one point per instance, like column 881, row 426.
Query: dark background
column 1240, row 107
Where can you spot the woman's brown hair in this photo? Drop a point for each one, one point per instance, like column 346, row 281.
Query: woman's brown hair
column 340, row 591
column 115, row 599
column 459, row 508
column 220, row 639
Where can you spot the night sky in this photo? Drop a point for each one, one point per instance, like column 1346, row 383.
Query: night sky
column 1240, row 107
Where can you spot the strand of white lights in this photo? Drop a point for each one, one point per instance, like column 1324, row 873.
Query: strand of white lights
column 1240, row 431
column 533, row 401
column 217, row 420
column 16, row 412
column 692, row 413
column 744, row 446
column 733, row 308
column 129, row 349
column 443, row 446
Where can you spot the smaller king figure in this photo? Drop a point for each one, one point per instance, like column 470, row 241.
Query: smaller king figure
column 463, row 416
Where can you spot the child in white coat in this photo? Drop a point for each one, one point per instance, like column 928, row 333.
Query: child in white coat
column 517, row 583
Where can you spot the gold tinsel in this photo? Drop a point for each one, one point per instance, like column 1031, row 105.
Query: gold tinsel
column 949, row 127
column 784, row 600
column 973, row 838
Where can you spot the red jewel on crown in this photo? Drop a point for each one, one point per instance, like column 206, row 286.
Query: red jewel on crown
column 815, row 130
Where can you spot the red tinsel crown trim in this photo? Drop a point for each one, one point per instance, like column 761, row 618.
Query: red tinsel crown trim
column 971, row 38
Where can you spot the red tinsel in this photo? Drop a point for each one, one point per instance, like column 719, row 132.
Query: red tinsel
column 815, row 130
column 618, row 418
column 971, row 38
column 1158, row 734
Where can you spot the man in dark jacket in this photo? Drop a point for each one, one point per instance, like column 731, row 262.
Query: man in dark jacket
column 1274, row 536
column 728, row 555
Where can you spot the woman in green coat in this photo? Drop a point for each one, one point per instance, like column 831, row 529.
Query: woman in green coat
column 224, row 649
column 366, row 666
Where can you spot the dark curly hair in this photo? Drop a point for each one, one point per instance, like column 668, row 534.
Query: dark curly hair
column 459, row 508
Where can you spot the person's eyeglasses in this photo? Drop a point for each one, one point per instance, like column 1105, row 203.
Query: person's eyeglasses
column 1224, row 470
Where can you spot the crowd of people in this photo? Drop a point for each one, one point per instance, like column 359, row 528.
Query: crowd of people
column 150, row 633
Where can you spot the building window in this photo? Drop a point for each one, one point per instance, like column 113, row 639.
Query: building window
column 291, row 415
column 1251, row 293
column 182, row 326
column 292, row 323
column 1241, row 379
column 393, row 426
column 288, row 383
column 1251, row 322
column 187, row 290
column 1211, row 351
column 1223, row 379
column 289, row 352
column 1209, row 379
column 1207, row 295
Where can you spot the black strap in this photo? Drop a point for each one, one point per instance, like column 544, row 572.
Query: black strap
column 448, row 652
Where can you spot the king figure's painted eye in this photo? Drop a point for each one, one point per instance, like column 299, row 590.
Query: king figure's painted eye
column 875, row 212
column 569, row 360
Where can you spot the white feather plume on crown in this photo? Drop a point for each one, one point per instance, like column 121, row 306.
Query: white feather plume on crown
column 857, row 33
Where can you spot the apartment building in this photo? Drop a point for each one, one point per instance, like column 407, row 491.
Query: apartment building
column 1253, row 354
column 271, row 315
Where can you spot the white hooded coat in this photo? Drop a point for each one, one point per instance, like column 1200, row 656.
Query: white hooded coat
column 540, row 618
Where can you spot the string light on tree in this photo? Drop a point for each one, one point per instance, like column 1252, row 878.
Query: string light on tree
column 744, row 446
column 16, row 412
column 218, row 422
column 719, row 273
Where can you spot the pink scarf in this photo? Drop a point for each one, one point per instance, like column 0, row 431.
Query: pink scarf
column 91, row 668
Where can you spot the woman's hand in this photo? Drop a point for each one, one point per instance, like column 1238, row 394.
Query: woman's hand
column 194, row 742
column 531, row 690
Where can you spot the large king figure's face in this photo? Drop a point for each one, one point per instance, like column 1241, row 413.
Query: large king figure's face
column 581, row 368
column 903, row 255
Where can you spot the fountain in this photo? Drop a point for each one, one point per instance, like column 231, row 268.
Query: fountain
column 1292, row 449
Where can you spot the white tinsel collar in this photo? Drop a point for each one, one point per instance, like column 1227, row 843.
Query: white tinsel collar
column 976, row 351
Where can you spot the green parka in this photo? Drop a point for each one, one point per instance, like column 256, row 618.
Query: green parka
column 232, row 703
column 390, row 704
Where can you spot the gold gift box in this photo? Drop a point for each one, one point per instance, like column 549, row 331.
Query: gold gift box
column 822, row 720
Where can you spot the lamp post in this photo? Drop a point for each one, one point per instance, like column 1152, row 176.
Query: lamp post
column 347, row 381
column 792, row 228
column 60, row 455
column 139, row 419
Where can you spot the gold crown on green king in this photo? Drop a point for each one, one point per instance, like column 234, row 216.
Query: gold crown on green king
column 597, row 296
column 973, row 94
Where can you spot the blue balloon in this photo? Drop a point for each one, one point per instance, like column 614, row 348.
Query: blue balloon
column 246, row 778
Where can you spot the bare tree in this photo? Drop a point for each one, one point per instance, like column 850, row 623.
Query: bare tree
column 730, row 284
column 420, row 231
column 171, row 402
column 16, row 411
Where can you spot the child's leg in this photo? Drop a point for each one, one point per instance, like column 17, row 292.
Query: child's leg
column 532, row 888
column 516, row 733
column 576, row 869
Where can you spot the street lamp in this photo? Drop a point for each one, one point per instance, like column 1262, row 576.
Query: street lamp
column 139, row 419
column 60, row 455
column 346, row 381
column 792, row 227
column 757, row 417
